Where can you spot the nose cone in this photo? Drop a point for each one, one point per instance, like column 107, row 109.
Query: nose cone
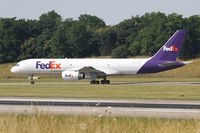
column 13, row 70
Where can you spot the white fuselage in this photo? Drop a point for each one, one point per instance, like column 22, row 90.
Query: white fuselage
column 57, row 66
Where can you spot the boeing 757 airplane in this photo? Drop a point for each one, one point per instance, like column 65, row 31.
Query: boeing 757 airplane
column 77, row 69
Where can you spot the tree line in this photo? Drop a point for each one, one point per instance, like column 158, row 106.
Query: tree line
column 52, row 37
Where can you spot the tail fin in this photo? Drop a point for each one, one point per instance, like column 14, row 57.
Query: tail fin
column 170, row 50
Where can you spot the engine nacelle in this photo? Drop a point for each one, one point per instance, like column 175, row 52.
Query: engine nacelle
column 72, row 75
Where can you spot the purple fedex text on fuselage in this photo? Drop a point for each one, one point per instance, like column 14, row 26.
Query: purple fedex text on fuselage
column 49, row 65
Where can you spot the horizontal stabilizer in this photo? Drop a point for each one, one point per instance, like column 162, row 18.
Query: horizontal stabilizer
column 167, row 64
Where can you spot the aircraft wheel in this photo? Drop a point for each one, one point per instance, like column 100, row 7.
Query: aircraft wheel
column 102, row 81
column 32, row 82
column 97, row 82
column 94, row 82
column 105, row 81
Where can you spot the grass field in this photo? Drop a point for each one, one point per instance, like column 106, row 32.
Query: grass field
column 40, row 123
column 113, row 91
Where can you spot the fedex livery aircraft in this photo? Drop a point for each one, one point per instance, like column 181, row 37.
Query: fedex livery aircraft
column 77, row 69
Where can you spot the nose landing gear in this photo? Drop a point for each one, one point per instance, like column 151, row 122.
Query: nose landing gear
column 32, row 81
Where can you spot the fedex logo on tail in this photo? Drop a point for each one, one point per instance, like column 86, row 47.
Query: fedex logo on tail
column 50, row 65
column 172, row 48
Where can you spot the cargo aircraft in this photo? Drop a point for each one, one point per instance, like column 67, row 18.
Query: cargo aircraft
column 93, row 69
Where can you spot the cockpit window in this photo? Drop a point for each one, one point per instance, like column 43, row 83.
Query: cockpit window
column 17, row 65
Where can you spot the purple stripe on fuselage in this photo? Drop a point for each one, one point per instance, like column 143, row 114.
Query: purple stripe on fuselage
column 154, row 66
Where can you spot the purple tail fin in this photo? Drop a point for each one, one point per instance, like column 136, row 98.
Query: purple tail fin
column 165, row 58
column 172, row 47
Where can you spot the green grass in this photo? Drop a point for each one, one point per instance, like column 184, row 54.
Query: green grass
column 85, row 90
column 40, row 123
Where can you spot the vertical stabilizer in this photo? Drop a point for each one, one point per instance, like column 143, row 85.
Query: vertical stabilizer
column 172, row 47
column 165, row 58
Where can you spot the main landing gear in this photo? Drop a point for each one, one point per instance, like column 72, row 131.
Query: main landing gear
column 94, row 82
column 104, row 81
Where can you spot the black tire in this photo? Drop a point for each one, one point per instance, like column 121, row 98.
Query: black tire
column 97, row 82
column 92, row 82
column 32, row 82
column 102, row 81
column 105, row 81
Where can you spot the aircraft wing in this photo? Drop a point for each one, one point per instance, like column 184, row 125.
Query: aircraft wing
column 89, row 70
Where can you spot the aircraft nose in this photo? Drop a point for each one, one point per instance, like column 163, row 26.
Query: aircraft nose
column 13, row 70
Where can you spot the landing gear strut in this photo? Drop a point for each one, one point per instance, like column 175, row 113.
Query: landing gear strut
column 32, row 81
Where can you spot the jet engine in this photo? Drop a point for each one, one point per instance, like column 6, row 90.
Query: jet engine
column 72, row 75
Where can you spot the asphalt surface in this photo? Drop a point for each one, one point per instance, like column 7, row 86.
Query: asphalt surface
column 102, row 103
column 145, row 108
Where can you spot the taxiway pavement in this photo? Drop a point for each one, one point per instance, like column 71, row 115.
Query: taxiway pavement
column 144, row 108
